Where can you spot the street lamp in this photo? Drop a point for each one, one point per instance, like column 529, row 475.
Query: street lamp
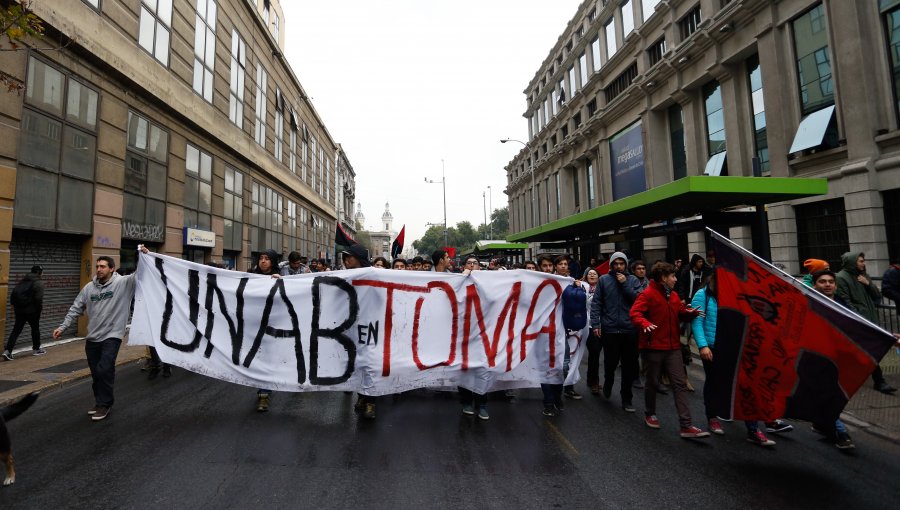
column 491, row 208
column 484, row 206
column 531, row 169
column 443, row 182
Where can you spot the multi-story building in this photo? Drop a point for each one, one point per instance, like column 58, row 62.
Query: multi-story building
column 176, row 124
column 346, row 191
column 639, row 98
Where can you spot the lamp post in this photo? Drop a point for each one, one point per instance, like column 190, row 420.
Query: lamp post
column 484, row 207
column 491, row 208
column 443, row 182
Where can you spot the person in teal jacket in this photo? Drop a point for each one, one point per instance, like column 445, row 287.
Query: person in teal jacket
column 704, row 329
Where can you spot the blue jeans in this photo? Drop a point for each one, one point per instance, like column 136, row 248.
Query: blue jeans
column 101, row 358
column 552, row 394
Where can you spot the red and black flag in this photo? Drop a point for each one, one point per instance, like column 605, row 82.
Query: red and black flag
column 397, row 245
column 782, row 348
column 341, row 237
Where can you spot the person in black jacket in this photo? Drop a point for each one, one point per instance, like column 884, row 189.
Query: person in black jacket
column 28, row 301
column 890, row 283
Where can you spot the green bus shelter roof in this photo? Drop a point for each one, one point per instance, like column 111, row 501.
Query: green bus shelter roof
column 500, row 246
column 683, row 198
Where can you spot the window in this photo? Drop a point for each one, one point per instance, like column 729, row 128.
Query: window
column 262, row 82
column 761, row 141
column 592, row 15
column 676, row 138
column 304, row 155
column 547, row 196
column 146, row 156
column 293, row 238
column 892, row 26
column 592, row 107
column 627, row 18
column 556, row 97
column 656, row 51
column 563, row 96
column 558, row 196
column 822, row 231
column 279, row 125
column 153, row 36
column 57, row 152
column 234, row 210
column 595, row 53
column 197, row 189
column 610, row 30
column 576, row 120
column 622, row 82
column 238, row 73
column 573, row 81
column 582, row 68
column 321, row 172
column 891, row 200
column 813, row 60
column 715, row 117
column 93, row 3
column 313, row 170
column 293, row 145
column 205, row 48
column 266, row 219
column 647, row 8
column 688, row 24
column 576, row 191
column 276, row 26
column 589, row 178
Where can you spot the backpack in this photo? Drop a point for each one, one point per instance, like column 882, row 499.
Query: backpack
column 574, row 300
column 21, row 294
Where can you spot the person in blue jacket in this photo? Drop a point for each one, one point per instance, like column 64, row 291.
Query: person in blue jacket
column 704, row 329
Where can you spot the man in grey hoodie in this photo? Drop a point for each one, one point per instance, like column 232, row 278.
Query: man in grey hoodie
column 106, row 301
column 615, row 293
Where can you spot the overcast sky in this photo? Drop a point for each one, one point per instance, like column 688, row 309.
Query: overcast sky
column 404, row 84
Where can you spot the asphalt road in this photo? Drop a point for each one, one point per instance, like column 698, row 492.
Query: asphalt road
column 194, row 442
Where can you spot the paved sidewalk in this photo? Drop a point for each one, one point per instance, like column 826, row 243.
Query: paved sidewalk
column 64, row 362
column 869, row 410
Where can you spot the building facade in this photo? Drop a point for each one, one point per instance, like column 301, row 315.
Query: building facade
column 175, row 124
column 637, row 94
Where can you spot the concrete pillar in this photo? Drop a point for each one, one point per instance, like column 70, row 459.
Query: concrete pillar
column 783, row 225
column 741, row 236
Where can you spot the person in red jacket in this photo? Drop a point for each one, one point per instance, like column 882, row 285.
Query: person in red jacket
column 656, row 312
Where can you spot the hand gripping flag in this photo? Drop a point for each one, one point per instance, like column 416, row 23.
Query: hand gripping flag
column 783, row 349
column 397, row 245
column 341, row 237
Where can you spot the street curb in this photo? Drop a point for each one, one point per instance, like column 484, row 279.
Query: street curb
column 870, row 428
column 65, row 380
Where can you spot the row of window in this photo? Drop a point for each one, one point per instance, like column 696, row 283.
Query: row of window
column 57, row 158
column 154, row 36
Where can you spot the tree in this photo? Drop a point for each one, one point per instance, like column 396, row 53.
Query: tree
column 16, row 23
column 500, row 219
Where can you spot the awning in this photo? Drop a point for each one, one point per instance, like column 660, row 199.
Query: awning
column 686, row 197
column 493, row 246
column 812, row 129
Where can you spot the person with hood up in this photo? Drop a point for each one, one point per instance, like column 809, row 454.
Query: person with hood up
column 610, row 307
column 355, row 257
column 856, row 288
column 266, row 264
column 27, row 300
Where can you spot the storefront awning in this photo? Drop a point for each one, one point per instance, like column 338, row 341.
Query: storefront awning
column 494, row 246
column 686, row 197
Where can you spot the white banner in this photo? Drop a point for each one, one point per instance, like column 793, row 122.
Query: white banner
column 371, row 330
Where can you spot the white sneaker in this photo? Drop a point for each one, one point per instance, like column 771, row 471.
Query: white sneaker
column 7, row 356
column 38, row 352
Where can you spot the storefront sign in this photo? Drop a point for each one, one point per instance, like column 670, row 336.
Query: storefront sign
column 626, row 155
column 202, row 238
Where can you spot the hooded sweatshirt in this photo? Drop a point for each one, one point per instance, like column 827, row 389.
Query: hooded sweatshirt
column 861, row 298
column 690, row 281
column 612, row 300
column 106, row 306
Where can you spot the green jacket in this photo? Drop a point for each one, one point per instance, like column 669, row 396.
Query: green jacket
column 862, row 298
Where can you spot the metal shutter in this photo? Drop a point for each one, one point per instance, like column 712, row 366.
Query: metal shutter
column 60, row 256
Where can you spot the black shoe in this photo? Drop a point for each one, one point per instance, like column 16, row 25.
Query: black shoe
column 607, row 391
column 167, row 371
column 661, row 390
column 885, row 388
column 843, row 441
column 152, row 372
